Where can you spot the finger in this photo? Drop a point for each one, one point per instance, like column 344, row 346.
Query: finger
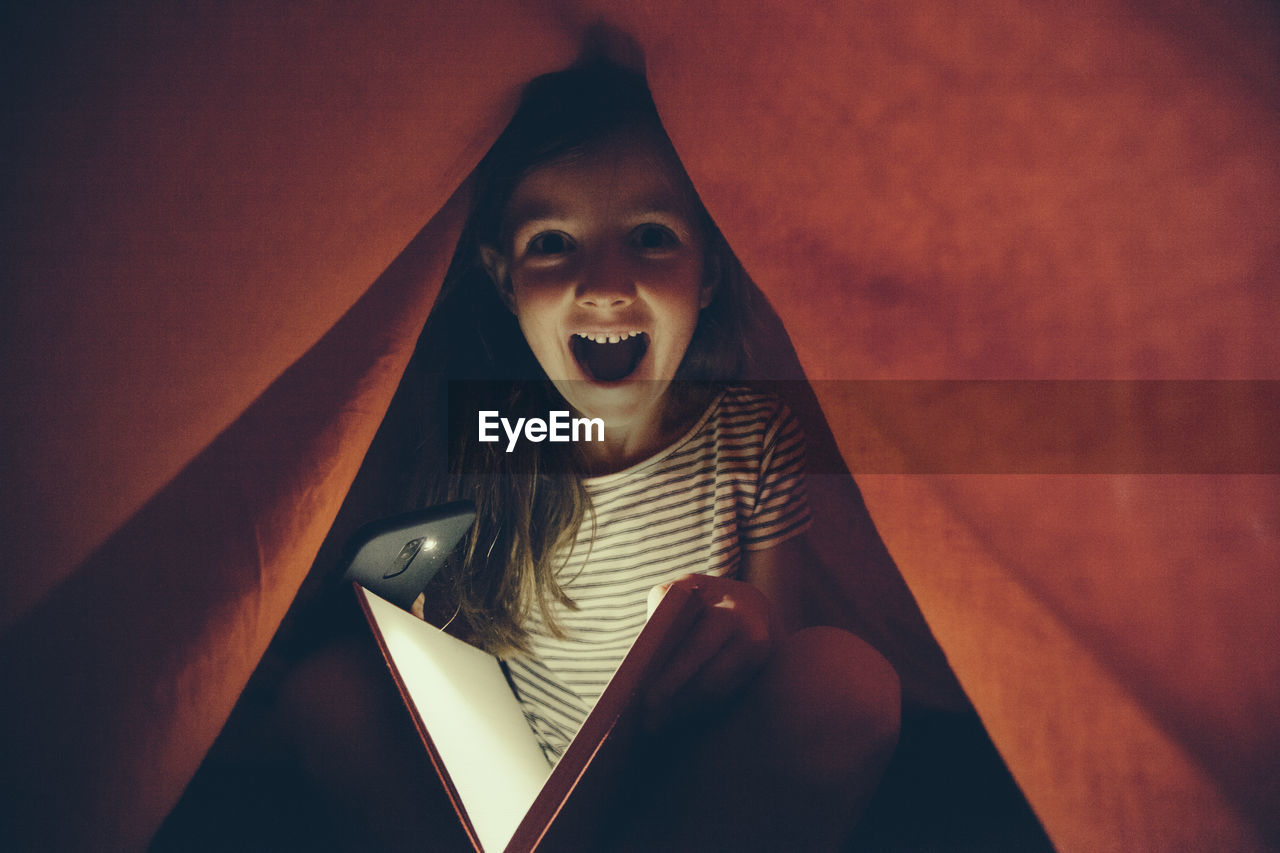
column 659, row 592
column 709, row 635
column 745, row 652
column 656, row 595
column 724, row 675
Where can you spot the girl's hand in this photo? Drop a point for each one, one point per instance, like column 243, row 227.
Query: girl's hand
column 730, row 643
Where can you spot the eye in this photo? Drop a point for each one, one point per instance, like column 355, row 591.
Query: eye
column 654, row 237
column 550, row 244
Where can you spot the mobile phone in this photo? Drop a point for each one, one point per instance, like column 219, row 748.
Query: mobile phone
column 395, row 558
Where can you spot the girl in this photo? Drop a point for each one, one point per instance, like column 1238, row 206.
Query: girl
column 599, row 279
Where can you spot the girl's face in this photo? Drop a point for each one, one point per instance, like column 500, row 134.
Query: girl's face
column 604, row 266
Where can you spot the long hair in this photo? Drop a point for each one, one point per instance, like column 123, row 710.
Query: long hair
column 531, row 502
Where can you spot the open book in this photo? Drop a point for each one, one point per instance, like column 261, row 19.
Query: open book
column 505, row 793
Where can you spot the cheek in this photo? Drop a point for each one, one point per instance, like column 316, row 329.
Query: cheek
column 675, row 278
column 538, row 325
column 536, row 307
column 682, row 297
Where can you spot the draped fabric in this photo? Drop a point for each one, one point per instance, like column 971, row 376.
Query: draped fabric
column 224, row 229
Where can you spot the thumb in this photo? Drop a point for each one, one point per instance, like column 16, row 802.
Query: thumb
column 656, row 594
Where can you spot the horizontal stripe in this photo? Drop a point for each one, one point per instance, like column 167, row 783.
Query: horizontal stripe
column 734, row 482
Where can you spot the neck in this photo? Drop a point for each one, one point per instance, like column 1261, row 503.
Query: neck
column 625, row 444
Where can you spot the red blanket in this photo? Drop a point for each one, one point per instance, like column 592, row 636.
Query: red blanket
column 209, row 301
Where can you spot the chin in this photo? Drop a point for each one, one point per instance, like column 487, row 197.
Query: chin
column 615, row 403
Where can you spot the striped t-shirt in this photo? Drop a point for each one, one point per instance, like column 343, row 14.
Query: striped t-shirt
column 734, row 481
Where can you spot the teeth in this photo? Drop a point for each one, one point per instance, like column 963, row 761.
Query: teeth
column 602, row 338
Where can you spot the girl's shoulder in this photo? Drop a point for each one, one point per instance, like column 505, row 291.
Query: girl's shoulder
column 740, row 417
column 742, row 410
column 752, row 407
column 737, row 415
column 750, row 396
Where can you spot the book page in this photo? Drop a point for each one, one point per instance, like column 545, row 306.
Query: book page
column 474, row 720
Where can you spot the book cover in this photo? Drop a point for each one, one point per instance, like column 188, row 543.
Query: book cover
column 506, row 794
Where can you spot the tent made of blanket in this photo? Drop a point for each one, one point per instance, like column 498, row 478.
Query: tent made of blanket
column 225, row 225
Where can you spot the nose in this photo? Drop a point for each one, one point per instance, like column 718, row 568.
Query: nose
column 605, row 281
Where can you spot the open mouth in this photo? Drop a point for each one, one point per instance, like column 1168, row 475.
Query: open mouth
column 609, row 358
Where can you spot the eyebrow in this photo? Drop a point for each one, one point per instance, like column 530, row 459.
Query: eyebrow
column 532, row 210
column 665, row 202
column 527, row 211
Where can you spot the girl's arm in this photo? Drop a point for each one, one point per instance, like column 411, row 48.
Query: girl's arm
column 743, row 621
column 777, row 572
